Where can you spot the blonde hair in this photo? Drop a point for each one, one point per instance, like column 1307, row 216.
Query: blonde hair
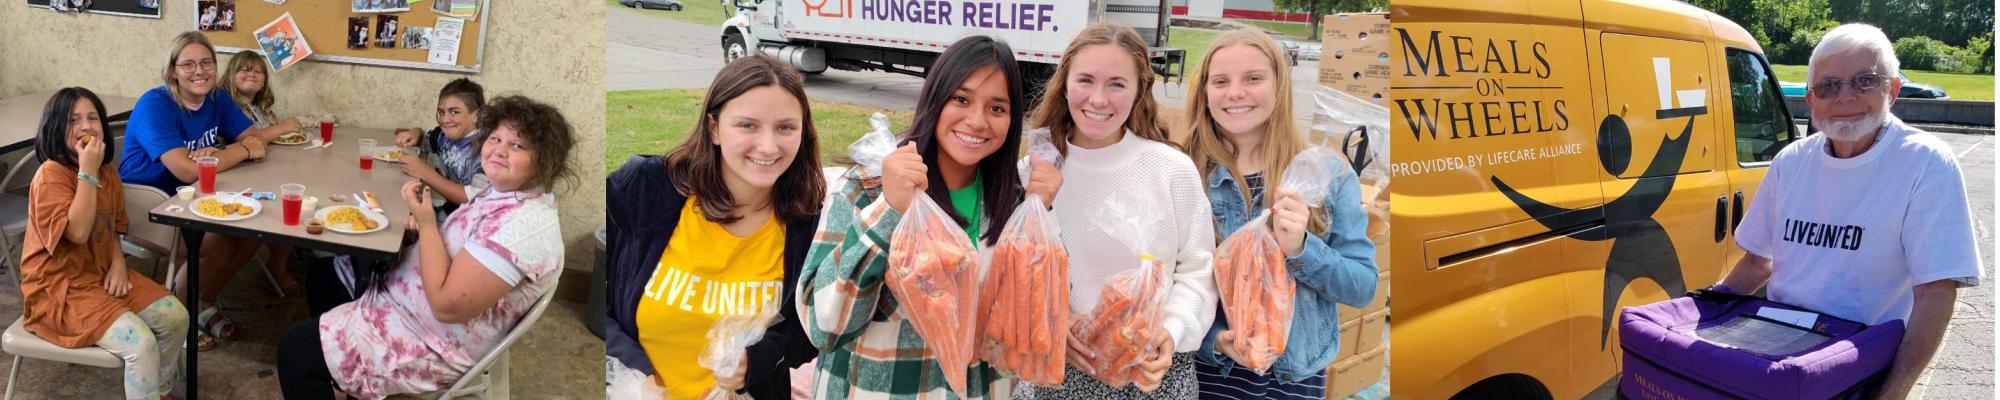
column 181, row 41
column 261, row 100
column 1208, row 145
column 1053, row 110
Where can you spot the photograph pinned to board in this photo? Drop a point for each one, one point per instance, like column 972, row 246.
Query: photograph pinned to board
column 63, row 6
column 417, row 37
column 283, row 45
column 444, row 40
column 216, row 15
column 357, row 32
column 462, row 9
column 380, row 6
column 385, row 31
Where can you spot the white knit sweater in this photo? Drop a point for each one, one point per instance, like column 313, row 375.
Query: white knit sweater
column 1181, row 231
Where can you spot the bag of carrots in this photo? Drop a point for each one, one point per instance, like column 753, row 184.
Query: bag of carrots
column 868, row 151
column 727, row 340
column 1123, row 331
column 1250, row 273
column 1025, row 296
column 934, row 274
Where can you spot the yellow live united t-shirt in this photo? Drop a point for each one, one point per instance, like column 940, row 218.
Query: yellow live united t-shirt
column 706, row 273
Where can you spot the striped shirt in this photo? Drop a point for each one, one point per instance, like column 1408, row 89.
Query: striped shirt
column 867, row 349
column 1241, row 383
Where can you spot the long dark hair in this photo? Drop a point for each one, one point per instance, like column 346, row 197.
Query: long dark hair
column 1003, row 184
column 52, row 141
column 695, row 165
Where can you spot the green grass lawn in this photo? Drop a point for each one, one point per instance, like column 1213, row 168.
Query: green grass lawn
column 1959, row 86
column 700, row 12
column 1293, row 29
column 653, row 121
column 1195, row 41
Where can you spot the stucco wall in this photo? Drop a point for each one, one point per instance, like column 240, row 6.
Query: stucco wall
column 552, row 51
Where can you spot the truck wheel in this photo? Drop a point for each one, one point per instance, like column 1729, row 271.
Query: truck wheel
column 733, row 47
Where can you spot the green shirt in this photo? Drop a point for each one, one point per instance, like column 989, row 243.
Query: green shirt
column 966, row 201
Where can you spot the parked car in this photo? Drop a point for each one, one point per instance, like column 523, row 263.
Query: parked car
column 1911, row 90
column 1291, row 51
column 669, row 5
column 1309, row 51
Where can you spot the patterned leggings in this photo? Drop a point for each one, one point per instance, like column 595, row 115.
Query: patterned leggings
column 151, row 343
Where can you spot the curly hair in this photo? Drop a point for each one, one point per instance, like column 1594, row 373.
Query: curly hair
column 541, row 128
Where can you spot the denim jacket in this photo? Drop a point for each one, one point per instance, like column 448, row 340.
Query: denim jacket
column 1336, row 267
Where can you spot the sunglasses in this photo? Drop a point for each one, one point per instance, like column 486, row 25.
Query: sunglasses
column 1863, row 83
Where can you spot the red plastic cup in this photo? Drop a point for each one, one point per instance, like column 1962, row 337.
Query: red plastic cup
column 326, row 132
column 367, row 154
column 293, row 196
column 206, row 166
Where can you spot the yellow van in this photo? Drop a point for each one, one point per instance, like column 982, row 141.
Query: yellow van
column 1554, row 162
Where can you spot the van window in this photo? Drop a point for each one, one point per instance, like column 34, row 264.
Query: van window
column 1762, row 125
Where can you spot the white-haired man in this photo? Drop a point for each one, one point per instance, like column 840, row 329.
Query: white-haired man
column 1867, row 220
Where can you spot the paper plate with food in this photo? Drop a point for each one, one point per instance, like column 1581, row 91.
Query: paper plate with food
column 226, row 207
column 291, row 139
column 392, row 154
column 351, row 219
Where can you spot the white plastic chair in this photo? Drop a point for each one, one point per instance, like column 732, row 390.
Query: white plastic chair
column 488, row 378
column 21, row 343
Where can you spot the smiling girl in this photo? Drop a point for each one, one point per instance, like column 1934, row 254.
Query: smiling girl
column 1100, row 111
column 960, row 152
column 734, row 204
column 1244, row 137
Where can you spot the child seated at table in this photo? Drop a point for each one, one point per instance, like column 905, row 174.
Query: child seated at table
column 449, row 160
column 247, row 78
column 466, row 284
column 75, row 288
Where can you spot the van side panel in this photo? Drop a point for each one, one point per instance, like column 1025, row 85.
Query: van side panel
column 1495, row 94
column 1519, row 246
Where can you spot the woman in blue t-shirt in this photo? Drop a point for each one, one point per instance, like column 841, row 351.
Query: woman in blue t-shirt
column 173, row 124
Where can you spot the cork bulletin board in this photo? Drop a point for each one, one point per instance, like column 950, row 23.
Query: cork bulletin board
column 129, row 8
column 325, row 26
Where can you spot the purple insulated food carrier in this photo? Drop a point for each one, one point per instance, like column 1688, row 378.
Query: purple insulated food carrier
column 1715, row 345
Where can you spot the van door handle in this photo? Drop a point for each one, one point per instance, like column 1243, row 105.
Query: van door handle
column 1736, row 218
column 1721, row 217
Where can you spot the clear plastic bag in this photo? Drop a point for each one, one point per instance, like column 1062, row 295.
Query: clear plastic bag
column 1250, row 273
column 727, row 340
column 1359, row 128
column 1025, row 298
column 1124, row 330
column 621, row 382
column 1039, row 148
column 871, row 148
column 934, row 274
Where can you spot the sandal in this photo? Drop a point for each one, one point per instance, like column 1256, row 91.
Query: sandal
column 216, row 326
column 203, row 342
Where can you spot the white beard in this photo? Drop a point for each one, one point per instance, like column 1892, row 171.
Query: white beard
column 1849, row 131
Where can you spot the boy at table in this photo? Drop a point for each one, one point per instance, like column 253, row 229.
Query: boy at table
column 175, row 123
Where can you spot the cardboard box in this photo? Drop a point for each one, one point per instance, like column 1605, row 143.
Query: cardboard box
column 1354, row 54
column 1379, row 303
column 1350, row 340
column 1373, row 327
column 1348, row 376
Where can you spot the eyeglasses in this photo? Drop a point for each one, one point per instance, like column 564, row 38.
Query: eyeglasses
column 206, row 65
column 1863, row 83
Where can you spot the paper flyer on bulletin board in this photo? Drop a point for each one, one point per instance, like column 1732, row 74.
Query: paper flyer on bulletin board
column 444, row 40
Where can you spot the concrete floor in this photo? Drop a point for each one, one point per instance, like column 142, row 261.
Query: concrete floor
column 558, row 359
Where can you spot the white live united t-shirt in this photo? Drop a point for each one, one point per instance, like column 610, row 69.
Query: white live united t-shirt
column 1852, row 237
